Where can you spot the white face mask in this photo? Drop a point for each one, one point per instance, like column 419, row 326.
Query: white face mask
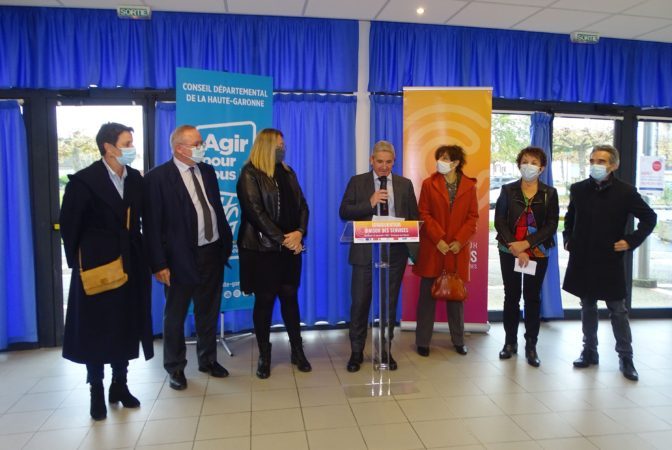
column 529, row 172
column 444, row 167
column 598, row 172
column 197, row 154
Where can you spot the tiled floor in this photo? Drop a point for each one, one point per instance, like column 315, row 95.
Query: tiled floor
column 460, row 402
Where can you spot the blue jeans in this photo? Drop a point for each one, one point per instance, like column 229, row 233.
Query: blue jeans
column 96, row 372
column 620, row 325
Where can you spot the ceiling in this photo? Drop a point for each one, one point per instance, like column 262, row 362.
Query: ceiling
column 649, row 20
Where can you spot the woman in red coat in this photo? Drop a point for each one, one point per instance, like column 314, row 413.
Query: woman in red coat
column 449, row 209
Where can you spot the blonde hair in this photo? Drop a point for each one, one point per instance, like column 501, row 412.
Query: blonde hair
column 383, row 146
column 262, row 155
column 176, row 135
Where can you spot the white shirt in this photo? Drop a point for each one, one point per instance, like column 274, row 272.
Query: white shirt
column 390, row 193
column 189, row 184
column 117, row 181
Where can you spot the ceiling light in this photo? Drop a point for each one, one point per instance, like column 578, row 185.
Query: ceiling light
column 420, row 11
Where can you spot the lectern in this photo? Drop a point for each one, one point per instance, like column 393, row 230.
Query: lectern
column 379, row 234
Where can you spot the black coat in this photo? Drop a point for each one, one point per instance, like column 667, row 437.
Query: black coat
column 171, row 223
column 596, row 218
column 106, row 327
column 511, row 204
column 356, row 205
column 259, row 197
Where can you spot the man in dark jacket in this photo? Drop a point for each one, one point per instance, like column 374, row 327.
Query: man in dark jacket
column 189, row 243
column 375, row 192
column 100, row 222
column 595, row 236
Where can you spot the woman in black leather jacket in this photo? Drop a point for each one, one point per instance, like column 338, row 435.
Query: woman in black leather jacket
column 526, row 219
column 274, row 219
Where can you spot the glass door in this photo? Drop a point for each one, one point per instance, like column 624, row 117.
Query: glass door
column 652, row 261
column 573, row 140
column 77, row 127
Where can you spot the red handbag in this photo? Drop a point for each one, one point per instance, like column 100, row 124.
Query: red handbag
column 449, row 287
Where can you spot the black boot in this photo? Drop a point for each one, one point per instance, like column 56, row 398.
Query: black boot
column 299, row 358
column 587, row 358
column 98, row 409
column 119, row 393
column 264, row 363
column 532, row 357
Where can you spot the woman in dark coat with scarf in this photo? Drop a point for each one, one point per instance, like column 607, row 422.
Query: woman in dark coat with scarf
column 100, row 221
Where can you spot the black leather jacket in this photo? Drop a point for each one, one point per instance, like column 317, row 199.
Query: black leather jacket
column 510, row 206
column 259, row 197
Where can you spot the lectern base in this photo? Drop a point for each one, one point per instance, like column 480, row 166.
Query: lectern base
column 380, row 389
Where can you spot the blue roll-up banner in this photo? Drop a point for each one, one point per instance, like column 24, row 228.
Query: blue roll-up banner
column 229, row 109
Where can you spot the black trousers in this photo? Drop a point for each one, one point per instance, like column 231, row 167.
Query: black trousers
column 620, row 325
column 264, row 301
column 360, row 290
column 426, row 313
column 530, row 288
column 96, row 372
column 207, row 299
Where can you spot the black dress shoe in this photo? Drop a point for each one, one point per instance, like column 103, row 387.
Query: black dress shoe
column 391, row 363
column 627, row 367
column 178, row 381
column 508, row 351
column 587, row 358
column 215, row 369
column 532, row 358
column 423, row 351
column 461, row 349
column 355, row 361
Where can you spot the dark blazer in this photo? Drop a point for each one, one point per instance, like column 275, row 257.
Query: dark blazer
column 106, row 327
column 596, row 218
column 171, row 224
column 259, row 197
column 511, row 204
column 356, row 206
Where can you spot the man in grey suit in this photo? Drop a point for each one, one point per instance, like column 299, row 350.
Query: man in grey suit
column 375, row 192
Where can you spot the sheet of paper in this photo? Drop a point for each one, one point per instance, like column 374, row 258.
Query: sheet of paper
column 531, row 268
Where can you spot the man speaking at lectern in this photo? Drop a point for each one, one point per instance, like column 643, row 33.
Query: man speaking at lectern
column 376, row 192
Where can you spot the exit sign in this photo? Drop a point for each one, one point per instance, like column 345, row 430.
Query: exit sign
column 134, row 12
column 585, row 37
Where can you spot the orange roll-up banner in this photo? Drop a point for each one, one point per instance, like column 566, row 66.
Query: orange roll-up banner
column 451, row 116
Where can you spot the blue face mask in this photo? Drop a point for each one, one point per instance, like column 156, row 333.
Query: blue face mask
column 127, row 156
column 529, row 172
column 197, row 154
column 598, row 172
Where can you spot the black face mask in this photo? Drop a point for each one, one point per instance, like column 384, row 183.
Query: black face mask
column 280, row 154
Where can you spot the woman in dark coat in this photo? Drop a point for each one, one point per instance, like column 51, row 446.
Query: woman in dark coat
column 270, row 241
column 100, row 221
column 526, row 219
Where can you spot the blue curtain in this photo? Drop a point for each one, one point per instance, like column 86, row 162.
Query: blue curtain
column 18, row 321
column 61, row 48
column 319, row 133
column 164, row 125
column 387, row 117
column 551, row 300
column 520, row 64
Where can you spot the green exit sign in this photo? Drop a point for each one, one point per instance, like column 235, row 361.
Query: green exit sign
column 585, row 37
column 134, row 12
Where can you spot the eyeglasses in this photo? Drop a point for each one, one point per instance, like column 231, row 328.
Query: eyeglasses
column 199, row 146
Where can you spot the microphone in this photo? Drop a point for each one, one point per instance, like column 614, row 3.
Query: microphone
column 383, row 208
